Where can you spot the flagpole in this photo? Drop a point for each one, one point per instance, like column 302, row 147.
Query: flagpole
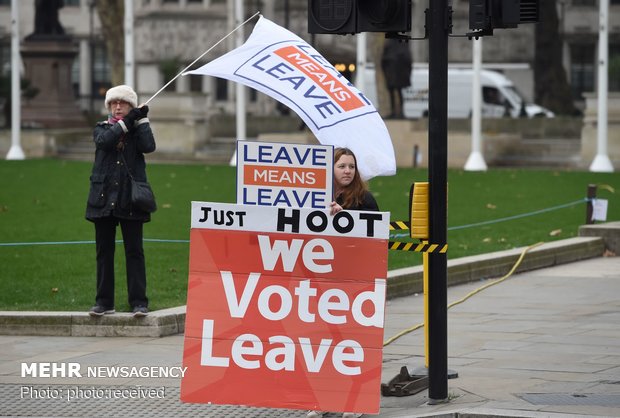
column 203, row 54
column 240, row 88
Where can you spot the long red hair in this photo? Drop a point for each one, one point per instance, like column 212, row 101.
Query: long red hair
column 353, row 194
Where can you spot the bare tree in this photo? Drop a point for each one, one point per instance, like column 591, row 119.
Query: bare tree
column 112, row 14
column 551, row 85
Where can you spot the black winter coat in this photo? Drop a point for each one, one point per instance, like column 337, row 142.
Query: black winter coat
column 368, row 203
column 110, row 186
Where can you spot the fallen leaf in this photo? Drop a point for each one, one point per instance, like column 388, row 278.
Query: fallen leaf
column 555, row 232
column 54, row 290
column 491, row 206
column 487, row 239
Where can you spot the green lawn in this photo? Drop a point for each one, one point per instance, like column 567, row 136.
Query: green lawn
column 43, row 202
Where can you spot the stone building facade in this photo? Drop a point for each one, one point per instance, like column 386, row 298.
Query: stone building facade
column 169, row 34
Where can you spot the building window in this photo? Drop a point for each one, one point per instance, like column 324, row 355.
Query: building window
column 5, row 59
column 221, row 89
column 5, row 2
column 195, row 84
column 585, row 3
column 101, row 72
column 614, row 68
column 582, row 69
column 75, row 3
column 75, row 77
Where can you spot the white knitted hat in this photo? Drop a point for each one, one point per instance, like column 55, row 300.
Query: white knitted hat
column 121, row 92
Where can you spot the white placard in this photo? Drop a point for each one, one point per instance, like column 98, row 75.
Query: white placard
column 599, row 209
column 280, row 174
column 231, row 217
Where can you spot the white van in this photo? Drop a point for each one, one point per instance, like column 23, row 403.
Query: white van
column 499, row 96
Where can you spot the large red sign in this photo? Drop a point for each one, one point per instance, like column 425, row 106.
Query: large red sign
column 285, row 307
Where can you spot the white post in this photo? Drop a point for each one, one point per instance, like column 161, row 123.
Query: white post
column 129, row 50
column 239, row 88
column 475, row 162
column 601, row 162
column 360, row 69
column 15, row 152
column 85, row 74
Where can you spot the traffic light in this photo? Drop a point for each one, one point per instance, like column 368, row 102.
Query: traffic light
column 383, row 15
column 486, row 15
column 355, row 16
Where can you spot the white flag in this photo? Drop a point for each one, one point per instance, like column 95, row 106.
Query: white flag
column 282, row 65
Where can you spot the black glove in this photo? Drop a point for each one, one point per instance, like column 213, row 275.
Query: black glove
column 131, row 117
column 144, row 110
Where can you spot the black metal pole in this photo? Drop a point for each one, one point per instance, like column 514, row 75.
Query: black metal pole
column 287, row 13
column 589, row 206
column 438, row 198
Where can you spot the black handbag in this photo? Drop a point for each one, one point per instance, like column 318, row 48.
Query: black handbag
column 142, row 196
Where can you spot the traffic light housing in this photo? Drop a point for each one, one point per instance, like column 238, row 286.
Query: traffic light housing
column 355, row 16
column 486, row 15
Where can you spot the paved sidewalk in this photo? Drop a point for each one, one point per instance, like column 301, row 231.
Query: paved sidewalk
column 541, row 343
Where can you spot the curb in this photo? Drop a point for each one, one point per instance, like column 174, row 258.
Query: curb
column 80, row 324
column 409, row 280
column 401, row 282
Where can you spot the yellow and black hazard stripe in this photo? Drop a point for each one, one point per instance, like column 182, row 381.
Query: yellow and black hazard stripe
column 399, row 225
column 419, row 247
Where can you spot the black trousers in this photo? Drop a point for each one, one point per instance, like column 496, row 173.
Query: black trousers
column 105, row 235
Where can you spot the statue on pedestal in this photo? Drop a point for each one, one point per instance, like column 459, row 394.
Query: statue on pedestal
column 46, row 22
column 46, row 17
column 48, row 54
column 396, row 63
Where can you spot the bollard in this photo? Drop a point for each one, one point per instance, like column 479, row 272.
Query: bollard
column 589, row 206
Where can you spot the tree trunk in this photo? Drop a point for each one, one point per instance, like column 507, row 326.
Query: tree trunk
column 112, row 15
column 551, row 85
